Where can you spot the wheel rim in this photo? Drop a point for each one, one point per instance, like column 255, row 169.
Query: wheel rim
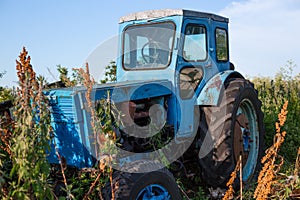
column 153, row 192
column 248, row 143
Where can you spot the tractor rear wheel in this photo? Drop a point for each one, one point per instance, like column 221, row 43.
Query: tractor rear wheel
column 231, row 131
column 158, row 184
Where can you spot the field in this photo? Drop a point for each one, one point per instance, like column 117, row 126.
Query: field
column 26, row 174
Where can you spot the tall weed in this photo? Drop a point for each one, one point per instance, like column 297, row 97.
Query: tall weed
column 29, row 133
column 271, row 168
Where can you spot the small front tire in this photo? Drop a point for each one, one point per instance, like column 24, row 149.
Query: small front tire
column 159, row 184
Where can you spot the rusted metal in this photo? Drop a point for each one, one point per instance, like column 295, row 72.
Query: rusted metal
column 210, row 94
column 242, row 121
column 241, row 138
column 217, row 83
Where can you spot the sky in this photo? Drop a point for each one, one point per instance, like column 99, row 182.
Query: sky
column 263, row 35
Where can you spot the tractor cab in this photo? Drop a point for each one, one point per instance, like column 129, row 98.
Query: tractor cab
column 170, row 44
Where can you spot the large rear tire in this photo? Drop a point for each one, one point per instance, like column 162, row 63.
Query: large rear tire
column 232, row 129
column 159, row 184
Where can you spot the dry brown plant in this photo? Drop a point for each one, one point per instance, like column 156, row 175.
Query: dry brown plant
column 230, row 192
column 102, row 165
column 5, row 137
column 27, row 79
column 295, row 179
column 89, row 83
column 297, row 164
column 63, row 167
column 6, row 124
column 270, row 168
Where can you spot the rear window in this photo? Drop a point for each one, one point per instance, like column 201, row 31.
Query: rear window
column 221, row 45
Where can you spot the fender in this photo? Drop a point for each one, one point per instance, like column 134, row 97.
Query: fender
column 209, row 95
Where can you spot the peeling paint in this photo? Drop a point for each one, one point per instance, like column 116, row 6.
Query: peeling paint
column 211, row 91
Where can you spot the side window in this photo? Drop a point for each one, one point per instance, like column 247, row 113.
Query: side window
column 194, row 48
column 221, row 45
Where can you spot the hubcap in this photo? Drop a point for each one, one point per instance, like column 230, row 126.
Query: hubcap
column 153, row 192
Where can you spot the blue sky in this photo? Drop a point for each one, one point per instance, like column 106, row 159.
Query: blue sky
column 263, row 34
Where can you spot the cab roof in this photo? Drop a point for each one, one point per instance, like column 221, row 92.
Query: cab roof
column 153, row 14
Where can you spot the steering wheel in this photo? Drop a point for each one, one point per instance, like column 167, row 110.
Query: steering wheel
column 155, row 56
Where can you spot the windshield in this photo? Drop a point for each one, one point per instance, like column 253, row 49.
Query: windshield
column 148, row 46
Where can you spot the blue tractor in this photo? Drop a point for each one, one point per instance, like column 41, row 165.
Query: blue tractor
column 175, row 85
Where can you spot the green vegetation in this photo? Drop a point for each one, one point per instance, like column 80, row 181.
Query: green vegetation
column 68, row 81
column 273, row 92
column 5, row 93
column 110, row 73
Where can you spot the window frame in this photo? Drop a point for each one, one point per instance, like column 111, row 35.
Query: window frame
column 147, row 24
column 227, row 45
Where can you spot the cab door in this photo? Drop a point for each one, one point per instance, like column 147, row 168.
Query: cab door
column 191, row 73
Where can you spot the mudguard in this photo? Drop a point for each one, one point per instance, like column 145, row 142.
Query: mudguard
column 209, row 96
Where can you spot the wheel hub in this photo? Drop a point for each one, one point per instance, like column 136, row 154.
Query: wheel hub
column 242, row 138
column 154, row 192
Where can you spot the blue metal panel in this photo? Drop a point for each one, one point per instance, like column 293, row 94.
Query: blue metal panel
column 134, row 90
column 83, row 122
column 67, row 134
column 209, row 96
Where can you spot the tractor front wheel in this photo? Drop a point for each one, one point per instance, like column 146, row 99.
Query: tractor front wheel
column 158, row 184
